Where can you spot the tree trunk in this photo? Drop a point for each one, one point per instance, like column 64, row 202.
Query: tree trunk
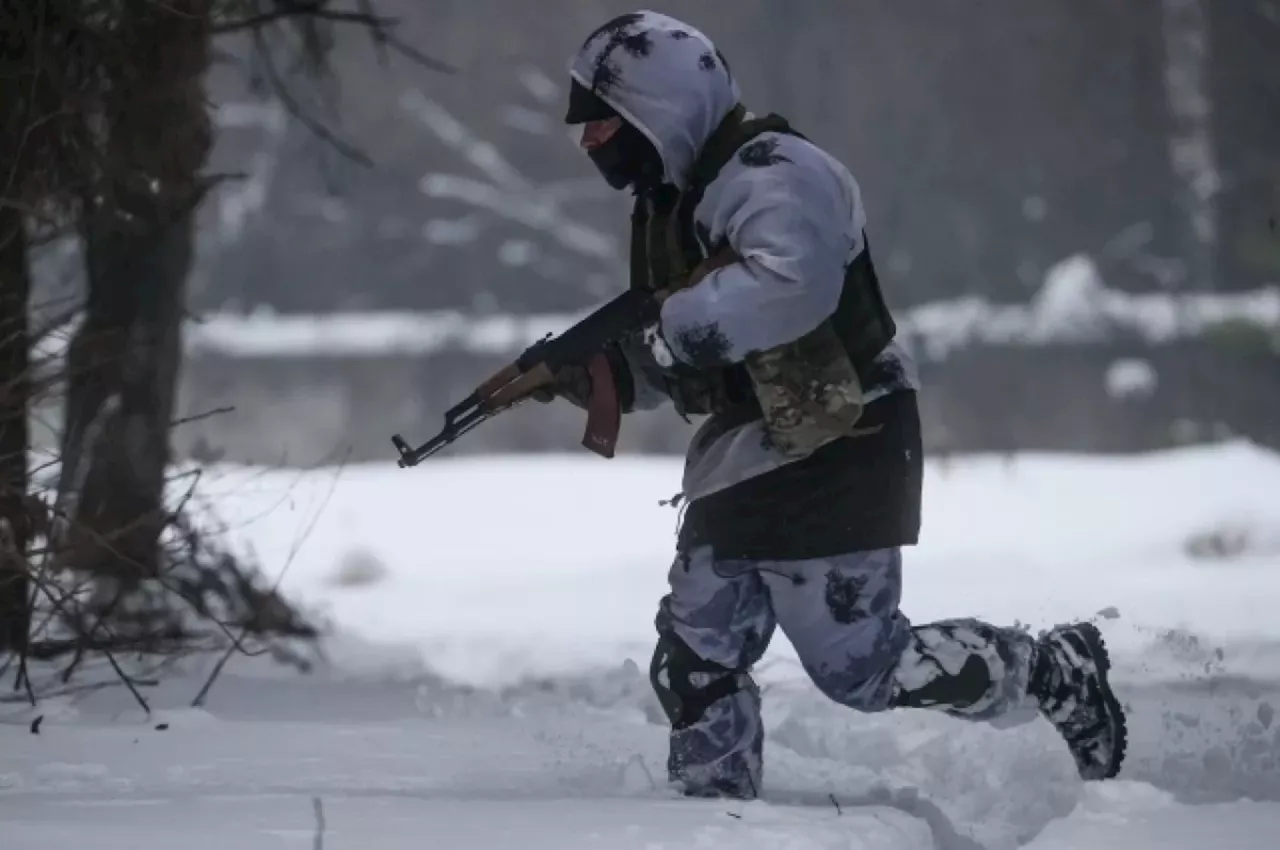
column 139, row 239
column 1192, row 151
column 15, row 525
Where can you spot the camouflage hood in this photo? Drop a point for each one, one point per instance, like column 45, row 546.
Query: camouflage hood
column 664, row 77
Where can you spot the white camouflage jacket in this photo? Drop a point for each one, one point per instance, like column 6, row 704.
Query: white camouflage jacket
column 792, row 211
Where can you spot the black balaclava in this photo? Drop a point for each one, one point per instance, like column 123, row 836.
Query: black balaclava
column 628, row 158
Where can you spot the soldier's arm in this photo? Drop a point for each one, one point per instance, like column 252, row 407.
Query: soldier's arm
column 793, row 222
column 648, row 388
column 637, row 377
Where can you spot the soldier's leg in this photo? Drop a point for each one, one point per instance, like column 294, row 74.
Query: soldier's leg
column 971, row 669
column 712, row 627
column 842, row 615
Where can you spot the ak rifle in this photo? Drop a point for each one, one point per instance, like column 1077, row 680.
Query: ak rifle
column 582, row 344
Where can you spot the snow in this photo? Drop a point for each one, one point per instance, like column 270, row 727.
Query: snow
column 542, row 87
column 1073, row 304
column 265, row 334
column 504, row 191
column 1071, row 300
column 486, row 683
column 1065, row 309
column 1131, row 376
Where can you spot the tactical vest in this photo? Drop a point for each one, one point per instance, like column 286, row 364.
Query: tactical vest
column 807, row 391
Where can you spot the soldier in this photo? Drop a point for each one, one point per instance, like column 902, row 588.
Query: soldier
column 803, row 484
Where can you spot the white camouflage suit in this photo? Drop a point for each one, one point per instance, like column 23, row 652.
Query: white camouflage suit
column 795, row 214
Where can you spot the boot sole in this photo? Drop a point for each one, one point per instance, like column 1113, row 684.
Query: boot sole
column 1113, row 711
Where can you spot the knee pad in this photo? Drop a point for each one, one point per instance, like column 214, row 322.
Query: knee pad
column 686, row 684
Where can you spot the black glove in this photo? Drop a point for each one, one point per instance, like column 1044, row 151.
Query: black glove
column 572, row 382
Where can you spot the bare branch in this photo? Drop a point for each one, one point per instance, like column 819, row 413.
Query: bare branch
column 217, row 411
column 292, row 12
column 293, row 552
column 291, row 106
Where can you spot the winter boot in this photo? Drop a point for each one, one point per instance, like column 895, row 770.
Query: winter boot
column 1069, row 681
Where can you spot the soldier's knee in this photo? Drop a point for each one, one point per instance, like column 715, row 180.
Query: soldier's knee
column 861, row 674
column 867, row 690
column 686, row 684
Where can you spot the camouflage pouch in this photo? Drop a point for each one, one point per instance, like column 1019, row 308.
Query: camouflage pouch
column 808, row 391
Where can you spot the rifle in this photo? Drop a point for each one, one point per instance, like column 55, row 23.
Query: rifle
column 536, row 368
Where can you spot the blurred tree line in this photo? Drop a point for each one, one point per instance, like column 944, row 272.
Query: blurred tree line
column 991, row 140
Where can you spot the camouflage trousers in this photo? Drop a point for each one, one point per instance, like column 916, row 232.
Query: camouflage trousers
column 841, row 615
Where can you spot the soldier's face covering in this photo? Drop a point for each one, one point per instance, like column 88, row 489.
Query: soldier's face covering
column 598, row 139
column 620, row 152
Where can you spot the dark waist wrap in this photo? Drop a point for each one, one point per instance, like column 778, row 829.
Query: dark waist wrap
column 853, row 494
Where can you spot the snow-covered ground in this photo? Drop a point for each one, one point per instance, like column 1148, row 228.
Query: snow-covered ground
column 487, row 680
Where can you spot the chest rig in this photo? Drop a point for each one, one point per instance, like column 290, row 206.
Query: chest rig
column 807, row 391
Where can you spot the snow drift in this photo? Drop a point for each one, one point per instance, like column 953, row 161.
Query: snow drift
column 487, row 684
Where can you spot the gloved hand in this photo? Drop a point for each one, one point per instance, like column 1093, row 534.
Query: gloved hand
column 573, row 382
